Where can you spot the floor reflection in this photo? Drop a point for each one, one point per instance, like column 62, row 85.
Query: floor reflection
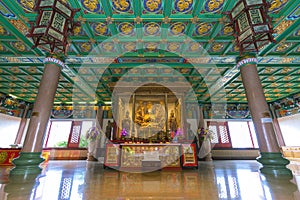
column 88, row 180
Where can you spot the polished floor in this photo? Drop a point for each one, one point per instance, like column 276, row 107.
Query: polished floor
column 76, row 180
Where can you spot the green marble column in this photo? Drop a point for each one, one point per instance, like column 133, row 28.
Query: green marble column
column 30, row 157
column 271, row 158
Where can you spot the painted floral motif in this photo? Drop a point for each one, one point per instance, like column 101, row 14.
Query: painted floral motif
column 277, row 5
column 3, row 156
column 203, row 28
column 153, row 6
column 194, row 46
column 183, row 6
column 91, row 5
column 121, row 5
column 177, row 28
column 126, row 28
column 100, row 28
column 213, row 5
column 152, row 28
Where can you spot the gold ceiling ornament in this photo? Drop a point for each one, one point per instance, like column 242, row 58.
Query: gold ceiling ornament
column 15, row 69
column 2, row 30
column 109, row 20
column 284, row 24
column 166, row 20
column 13, row 78
column 194, row 20
column 287, row 60
column 20, row 26
column 138, row 19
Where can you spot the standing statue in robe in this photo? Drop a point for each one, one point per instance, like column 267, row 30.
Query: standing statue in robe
column 172, row 122
column 126, row 122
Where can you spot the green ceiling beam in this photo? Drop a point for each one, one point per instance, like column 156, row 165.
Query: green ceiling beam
column 19, row 35
column 290, row 30
column 137, row 9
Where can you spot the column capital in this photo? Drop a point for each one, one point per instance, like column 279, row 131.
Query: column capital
column 50, row 60
column 246, row 59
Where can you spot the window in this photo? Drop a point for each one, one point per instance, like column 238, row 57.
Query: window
column 9, row 126
column 221, row 137
column 290, row 127
column 233, row 134
column 67, row 133
column 242, row 134
column 58, row 133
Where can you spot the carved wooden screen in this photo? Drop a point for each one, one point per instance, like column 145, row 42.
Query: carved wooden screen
column 221, row 136
column 74, row 137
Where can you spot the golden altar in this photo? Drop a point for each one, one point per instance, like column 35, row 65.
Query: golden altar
column 131, row 156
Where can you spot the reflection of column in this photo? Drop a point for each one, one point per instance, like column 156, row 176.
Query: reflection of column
column 277, row 128
column 99, row 117
column 201, row 117
column 166, row 114
column 270, row 155
column 30, row 156
column 133, row 116
column 22, row 126
column 183, row 115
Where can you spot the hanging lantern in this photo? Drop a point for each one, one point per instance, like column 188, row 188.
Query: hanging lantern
column 53, row 24
column 252, row 25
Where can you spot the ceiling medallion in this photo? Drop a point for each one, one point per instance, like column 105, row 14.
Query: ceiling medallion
column 121, row 5
column 173, row 46
column 227, row 30
column 152, row 28
column 100, row 28
column 86, row 47
column 129, row 46
column 92, row 6
column 19, row 46
column 183, row 6
column 177, row 28
column 126, row 28
column 213, row 6
column 203, row 28
column 28, row 5
column 108, row 46
column 153, row 6
column 277, row 5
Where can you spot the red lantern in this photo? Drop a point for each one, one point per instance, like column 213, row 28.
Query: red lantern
column 53, row 24
column 252, row 24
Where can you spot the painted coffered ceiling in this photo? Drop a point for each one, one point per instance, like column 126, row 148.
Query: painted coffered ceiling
column 130, row 43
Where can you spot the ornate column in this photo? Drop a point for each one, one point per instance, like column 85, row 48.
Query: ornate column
column 270, row 155
column 30, row 156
